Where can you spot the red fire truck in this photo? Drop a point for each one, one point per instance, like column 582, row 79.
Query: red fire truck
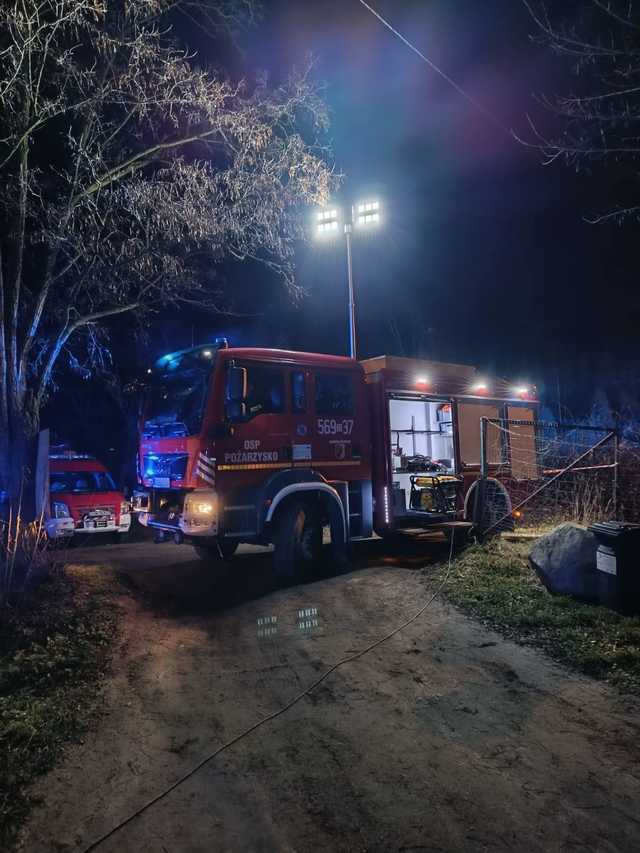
column 84, row 498
column 271, row 446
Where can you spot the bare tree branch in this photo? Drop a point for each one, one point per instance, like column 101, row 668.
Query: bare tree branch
column 600, row 122
column 157, row 161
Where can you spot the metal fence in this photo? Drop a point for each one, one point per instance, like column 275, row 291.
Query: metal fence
column 537, row 473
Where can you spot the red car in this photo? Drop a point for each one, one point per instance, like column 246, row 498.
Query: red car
column 84, row 498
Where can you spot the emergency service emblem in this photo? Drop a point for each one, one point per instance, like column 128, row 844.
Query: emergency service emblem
column 206, row 468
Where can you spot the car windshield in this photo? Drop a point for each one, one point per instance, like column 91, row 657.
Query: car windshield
column 175, row 402
column 81, row 481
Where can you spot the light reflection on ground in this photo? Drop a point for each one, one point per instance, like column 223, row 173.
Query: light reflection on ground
column 307, row 620
column 267, row 626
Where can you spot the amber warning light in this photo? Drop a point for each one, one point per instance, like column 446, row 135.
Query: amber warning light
column 525, row 392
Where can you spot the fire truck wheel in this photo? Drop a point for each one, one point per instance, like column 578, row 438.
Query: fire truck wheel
column 495, row 509
column 297, row 539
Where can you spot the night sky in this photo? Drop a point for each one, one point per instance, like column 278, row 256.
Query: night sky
column 485, row 256
column 482, row 245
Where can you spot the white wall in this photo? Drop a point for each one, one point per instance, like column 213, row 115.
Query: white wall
column 424, row 418
column 401, row 412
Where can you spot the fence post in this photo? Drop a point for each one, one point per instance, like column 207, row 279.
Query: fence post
column 616, row 449
column 484, row 462
column 478, row 508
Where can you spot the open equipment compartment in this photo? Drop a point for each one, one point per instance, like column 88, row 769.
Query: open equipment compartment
column 423, row 462
column 426, row 421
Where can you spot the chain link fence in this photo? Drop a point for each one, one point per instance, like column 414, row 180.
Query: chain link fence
column 535, row 474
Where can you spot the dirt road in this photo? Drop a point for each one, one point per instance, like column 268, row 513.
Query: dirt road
column 446, row 738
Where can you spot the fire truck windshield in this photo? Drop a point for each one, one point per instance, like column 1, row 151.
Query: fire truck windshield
column 175, row 402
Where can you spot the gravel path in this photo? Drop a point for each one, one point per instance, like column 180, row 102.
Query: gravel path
column 446, row 738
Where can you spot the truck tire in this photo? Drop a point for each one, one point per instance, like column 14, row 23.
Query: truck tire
column 297, row 540
column 216, row 553
column 496, row 507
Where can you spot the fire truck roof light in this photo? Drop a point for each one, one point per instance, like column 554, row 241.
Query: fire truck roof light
column 422, row 380
column 480, row 386
column 172, row 360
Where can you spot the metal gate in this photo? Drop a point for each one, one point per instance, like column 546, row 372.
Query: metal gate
column 551, row 472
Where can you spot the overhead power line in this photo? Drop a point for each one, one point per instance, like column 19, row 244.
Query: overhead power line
column 473, row 101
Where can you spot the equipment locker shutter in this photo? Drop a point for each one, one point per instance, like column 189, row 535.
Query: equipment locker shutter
column 469, row 415
column 522, row 444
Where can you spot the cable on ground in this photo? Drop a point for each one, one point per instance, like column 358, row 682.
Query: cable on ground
column 95, row 844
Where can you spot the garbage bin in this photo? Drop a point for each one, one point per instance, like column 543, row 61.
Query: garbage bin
column 618, row 564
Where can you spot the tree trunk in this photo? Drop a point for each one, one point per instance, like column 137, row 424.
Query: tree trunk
column 18, row 434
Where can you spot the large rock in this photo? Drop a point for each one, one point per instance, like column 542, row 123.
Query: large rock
column 565, row 561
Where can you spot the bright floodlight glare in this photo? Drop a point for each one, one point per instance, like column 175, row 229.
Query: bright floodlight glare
column 422, row 380
column 327, row 215
column 327, row 222
column 480, row 386
column 206, row 353
column 368, row 213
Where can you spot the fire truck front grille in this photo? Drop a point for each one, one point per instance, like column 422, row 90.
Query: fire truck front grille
column 86, row 510
column 171, row 465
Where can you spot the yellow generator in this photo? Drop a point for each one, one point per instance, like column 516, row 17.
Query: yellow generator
column 437, row 493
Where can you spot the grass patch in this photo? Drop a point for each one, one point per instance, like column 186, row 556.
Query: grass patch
column 53, row 648
column 495, row 584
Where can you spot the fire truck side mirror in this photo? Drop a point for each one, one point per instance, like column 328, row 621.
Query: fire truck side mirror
column 237, row 384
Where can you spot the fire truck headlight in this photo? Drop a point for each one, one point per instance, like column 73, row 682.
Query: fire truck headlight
column 201, row 504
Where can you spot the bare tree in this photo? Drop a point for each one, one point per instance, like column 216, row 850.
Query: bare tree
column 600, row 120
column 122, row 161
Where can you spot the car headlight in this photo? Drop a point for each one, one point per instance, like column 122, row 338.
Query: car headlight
column 59, row 509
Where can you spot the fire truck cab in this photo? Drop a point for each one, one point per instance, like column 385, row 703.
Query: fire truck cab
column 271, row 446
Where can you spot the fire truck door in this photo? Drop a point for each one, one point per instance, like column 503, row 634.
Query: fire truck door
column 469, row 415
column 301, row 433
column 260, row 438
column 522, row 443
column 334, row 437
